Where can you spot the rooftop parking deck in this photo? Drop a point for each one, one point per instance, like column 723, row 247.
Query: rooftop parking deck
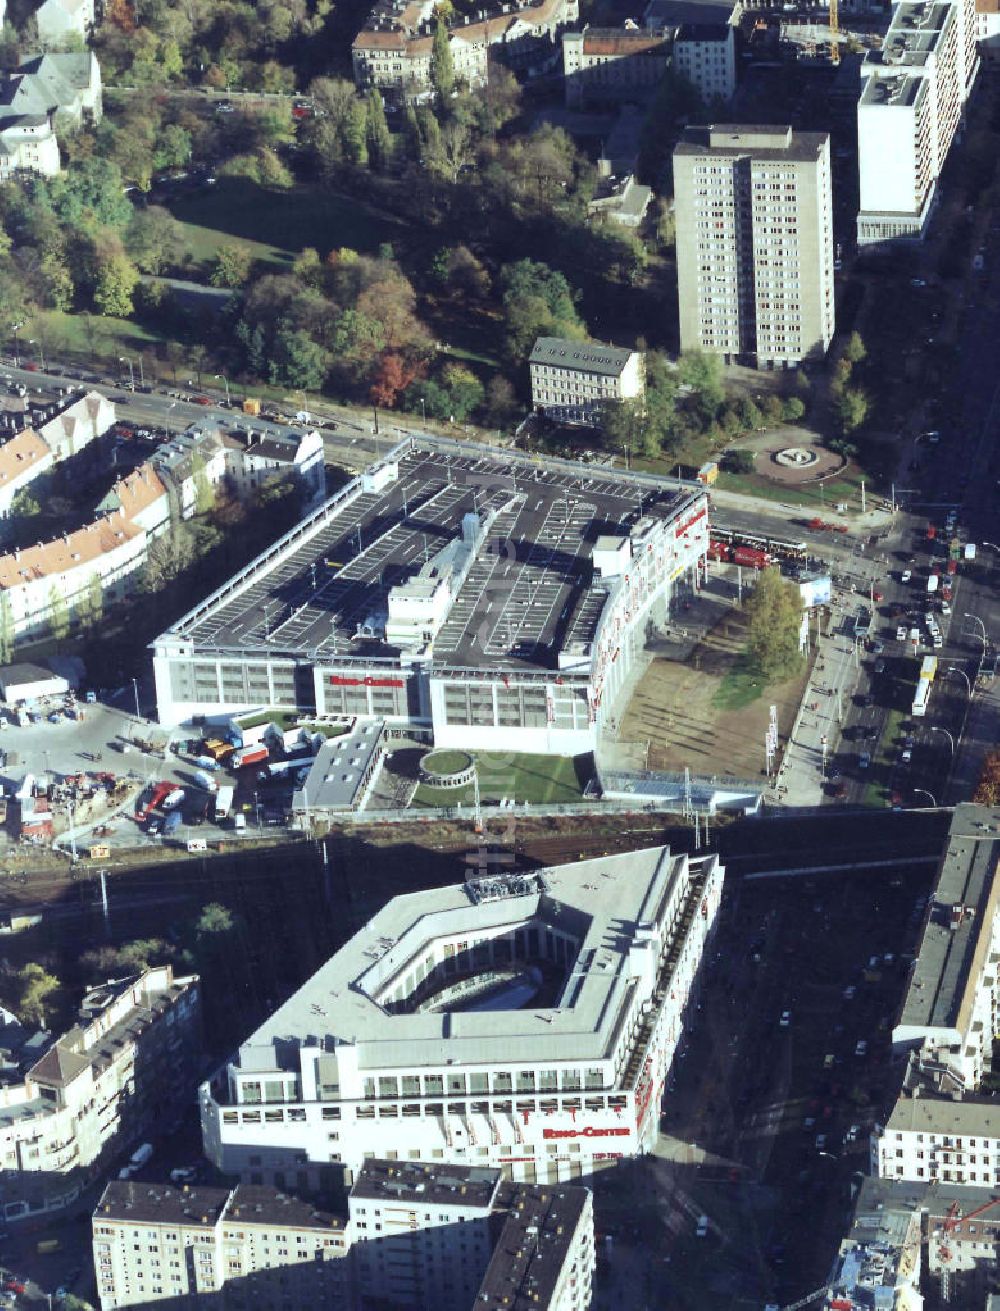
column 527, row 594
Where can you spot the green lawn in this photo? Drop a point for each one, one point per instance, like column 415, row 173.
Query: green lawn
column 847, row 488
column 448, row 762
column 86, row 337
column 541, row 780
column 740, row 686
column 276, row 225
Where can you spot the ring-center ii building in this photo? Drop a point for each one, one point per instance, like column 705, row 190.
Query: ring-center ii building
column 523, row 1021
column 494, row 599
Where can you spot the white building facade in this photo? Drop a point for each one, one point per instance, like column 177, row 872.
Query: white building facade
column 913, row 95
column 613, row 65
column 128, row 1066
column 412, row 1233
column 60, row 20
column 706, row 55
column 545, row 1093
column 573, row 381
column 450, row 676
column 28, row 144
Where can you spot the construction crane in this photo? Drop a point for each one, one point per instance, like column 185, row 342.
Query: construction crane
column 834, row 32
column 817, row 1293
column 952, row 1220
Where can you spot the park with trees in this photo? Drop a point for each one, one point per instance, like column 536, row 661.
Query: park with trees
column 403, row 256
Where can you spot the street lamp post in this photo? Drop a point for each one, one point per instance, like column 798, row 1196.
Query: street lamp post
column 15, row 329
column 225, row 381
column 423, row 410
column 131, row 371
column 41, row 349
column 953, row 669
column 982, row 629
column 135, row 689
column 936, row 728
column 924, row 793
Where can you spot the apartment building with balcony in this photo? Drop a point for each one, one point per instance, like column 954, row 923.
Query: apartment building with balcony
column 114, row 1079
column 413, row 1234
column 940, row 1128
column 913, row 95
column 393, row 49
column 950, row 1011
column 754, row 216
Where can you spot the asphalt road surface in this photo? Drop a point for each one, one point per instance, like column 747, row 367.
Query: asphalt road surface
column 778, row 1092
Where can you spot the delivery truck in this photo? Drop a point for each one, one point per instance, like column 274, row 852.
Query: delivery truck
column 223, row 803
column 249, row 756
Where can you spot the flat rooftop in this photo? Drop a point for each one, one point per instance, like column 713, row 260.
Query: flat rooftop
column 338, row 768
column 531, row 1251
column 426, row 1183
column 529, row 591
column 255, row 1204
column 600, row 904
column 247, row 1204
column 766, row 142
column 161, row 1204
column 959, row 924
column 893, row 90
column 945, row 1115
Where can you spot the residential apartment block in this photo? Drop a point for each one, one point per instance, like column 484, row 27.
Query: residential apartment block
column 572, row 381
column 414, row 1235
column 241, row 1248
column 46, row 92
column 705, row 53
column 950, row 1012
column 913, row 95
column 911, row 1245
column 393, row 50
column 753, row 208
column 379, row 1053
column 161, row 492
column 35, row 439
column 939, row 1129
column 115, row 1078
column 610, row 65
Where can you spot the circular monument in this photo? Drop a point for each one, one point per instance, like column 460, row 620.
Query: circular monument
column 796, row 457
column 447, row 769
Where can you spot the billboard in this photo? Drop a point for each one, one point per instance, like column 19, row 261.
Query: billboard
column 816, row 591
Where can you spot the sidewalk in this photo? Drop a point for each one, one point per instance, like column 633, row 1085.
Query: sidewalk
column 869, row 522
column 834, row 676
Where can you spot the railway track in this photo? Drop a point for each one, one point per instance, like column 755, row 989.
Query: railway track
column 745, row 849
